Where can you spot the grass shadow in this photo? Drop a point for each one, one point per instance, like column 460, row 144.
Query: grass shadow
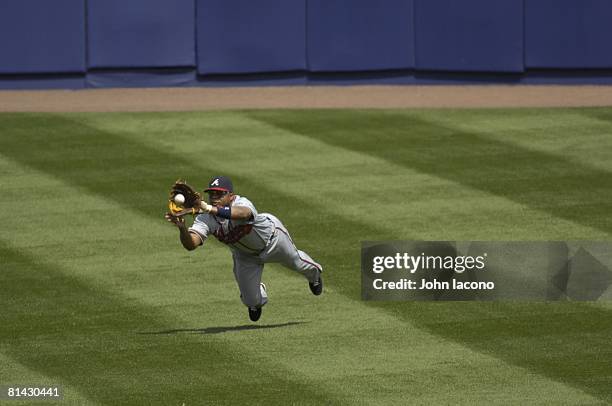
column 224, row 329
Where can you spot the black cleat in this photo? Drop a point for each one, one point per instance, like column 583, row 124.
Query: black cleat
column 254, row 313
column 317, row 287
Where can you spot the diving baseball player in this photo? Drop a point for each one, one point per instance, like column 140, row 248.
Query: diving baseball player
column 254, row 239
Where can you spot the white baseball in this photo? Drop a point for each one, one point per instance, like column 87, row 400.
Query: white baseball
column 179, row 199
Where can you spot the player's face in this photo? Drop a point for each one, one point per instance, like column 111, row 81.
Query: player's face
column 219, row 198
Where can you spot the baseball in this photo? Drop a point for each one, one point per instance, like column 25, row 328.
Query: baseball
column 179, row 199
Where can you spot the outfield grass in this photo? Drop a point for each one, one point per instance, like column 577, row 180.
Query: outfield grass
column 97, row 294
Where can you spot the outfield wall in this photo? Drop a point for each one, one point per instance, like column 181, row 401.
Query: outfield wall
column 115, row 43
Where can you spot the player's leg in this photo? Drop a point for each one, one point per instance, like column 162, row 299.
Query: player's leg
column 284, row 251
column 247, row 271
column 298, row 260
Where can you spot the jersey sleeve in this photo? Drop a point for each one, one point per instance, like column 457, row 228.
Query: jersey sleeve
column 244, row 202
column 201, row 227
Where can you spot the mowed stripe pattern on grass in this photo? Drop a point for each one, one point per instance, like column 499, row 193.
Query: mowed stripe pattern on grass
column 122, row 151
column 80, row 333
column 546, row 181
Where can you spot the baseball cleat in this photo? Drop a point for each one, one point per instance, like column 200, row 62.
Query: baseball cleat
column 254, row 313
column 317, row 287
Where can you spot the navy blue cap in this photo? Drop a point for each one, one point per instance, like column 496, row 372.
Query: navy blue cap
column 220, row 183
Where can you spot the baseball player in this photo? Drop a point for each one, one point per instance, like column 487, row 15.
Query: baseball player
column 254, row 239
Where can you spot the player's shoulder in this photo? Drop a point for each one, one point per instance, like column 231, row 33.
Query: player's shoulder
column 241, row 201
column 244, row 202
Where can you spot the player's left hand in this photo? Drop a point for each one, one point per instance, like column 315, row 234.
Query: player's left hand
column 192, row 199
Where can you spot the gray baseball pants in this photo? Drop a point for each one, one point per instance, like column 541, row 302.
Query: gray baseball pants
column 280, row 249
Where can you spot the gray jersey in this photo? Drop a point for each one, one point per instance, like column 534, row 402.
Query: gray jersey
column 248, row 236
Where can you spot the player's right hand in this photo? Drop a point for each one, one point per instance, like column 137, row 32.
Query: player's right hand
column 178, row 221
column 205, row 207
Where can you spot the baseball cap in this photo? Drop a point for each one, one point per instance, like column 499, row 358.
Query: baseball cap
column 220, row 183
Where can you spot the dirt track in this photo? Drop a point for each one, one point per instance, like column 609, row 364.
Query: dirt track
column 179, row 99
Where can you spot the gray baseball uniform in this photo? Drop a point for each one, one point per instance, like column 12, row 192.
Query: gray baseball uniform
column 254, row 242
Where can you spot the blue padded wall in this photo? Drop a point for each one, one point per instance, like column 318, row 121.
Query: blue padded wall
column 245, row 36
column 41, row 36
column 568, row 33
column 469, row 35
column 119, row 43
column 141, row 33
column 354, row 35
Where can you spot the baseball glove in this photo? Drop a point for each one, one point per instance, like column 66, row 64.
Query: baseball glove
column 192, row 203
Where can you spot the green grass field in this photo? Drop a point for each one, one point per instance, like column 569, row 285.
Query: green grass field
column 97, row 294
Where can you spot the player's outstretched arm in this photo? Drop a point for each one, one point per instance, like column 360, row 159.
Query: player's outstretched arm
column 189, row 240
column 228, row 212
column 240, row 213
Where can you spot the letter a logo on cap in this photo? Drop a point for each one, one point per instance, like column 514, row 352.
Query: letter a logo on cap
column 215, row 182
